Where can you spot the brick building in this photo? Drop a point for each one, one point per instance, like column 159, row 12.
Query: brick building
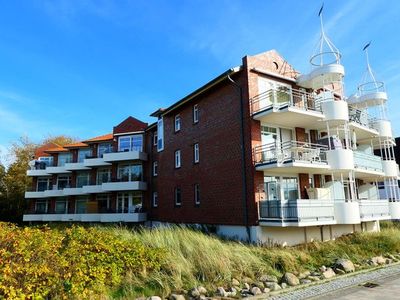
column 260, row 153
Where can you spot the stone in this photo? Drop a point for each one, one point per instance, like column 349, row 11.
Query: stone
column 322, row 269
column 235, row 282
column 245, row 293
column 266, row 290
column 315, row 274
column 388, row 261
column 284, row 285
column 255, row 290
column 340, row 272
column 203, row 297
column 378, row 260
column 290, row 279
column 202, row 290
column 304, row 274
column 194, row 292
column 177, row 297
column 268, row 278
column 246, row 286
column 259, row 284
column 345, row 265
column 329, row 273
column 221, row 292
column 247, row 280
column 273, row 286
column 314, row 278
column 232, row 292
column 305, row 281
column 154, row 298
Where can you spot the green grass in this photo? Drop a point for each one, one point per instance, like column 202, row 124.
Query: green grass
column 179, row 258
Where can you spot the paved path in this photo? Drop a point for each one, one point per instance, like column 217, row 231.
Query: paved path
column 335, row 288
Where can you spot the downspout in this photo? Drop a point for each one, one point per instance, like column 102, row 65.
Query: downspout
column 243, row 152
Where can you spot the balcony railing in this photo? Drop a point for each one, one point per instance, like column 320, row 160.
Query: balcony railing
column 285, row 97
column 368, row 162
column 290, row 151
column 361, row 117
column 374, row 209
column 300, row 210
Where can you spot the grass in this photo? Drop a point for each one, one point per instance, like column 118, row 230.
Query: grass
column 186, row 258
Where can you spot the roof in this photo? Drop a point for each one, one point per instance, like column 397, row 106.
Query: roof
column 56, row 150
column 210, row 84
column 100, row 138
column 76, row 145
column 41, row 151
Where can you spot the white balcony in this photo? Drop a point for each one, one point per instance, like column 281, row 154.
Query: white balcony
column 373, row 210
column 34, row 195
column 73, row 191
column 322, row 76
column 340, row 159
column 286, row 107
column 53, row 193
column 293, row 155
column 362, row 124
column 37, row 173
column 98, row 217
column 301, row 212
column 93, row 189
column 123, row 156
column 124, row 186
column 390, row 168
column 384, row 128
column 57, row 170
column 335, row 110
column 75, row 166
column 95, row 162
column 347, row 212
column 367, row 164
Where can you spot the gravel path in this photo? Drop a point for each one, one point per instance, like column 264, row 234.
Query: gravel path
column 340, row 283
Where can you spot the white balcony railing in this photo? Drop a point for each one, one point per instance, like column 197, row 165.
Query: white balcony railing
column 289, row 152
column 368, row 162
column 361, row 117
column 300, row 210
column 282, row 98
column 374, row 210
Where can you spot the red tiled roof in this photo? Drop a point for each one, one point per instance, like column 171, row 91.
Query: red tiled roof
column 41, row 151
column 75, row 145
column 56, row 150
column 101, row 138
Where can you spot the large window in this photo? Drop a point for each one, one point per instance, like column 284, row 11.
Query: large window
column 61, row 207
column 41, row 207
column 196, row 153
column 129, row 202
column 103, row 175
column 103, row 203
column 83, row 153
column 82, row 179
column 177, row 123
column 195, row 113
column 63, row 181
column 64, row 158
column 46, row 160
column 43, row 184
column 281, row 188
column 177, row 158
column 130, row 172
column 160, row 135
column 178, row 196
column 131, row 143
column 290, row 188
column 104, row 148
column 81, row 205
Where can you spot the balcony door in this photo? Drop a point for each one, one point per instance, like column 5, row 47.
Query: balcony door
column 129, row 202
column 273, row 93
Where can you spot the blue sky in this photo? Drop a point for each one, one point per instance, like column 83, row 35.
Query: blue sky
column 80, row 67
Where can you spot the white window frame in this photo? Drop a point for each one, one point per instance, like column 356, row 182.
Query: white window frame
column 155, row 168
column 155, row 138
column 196, row 153
column 155, row 199
column 160, row 134
column 130, row 137
column 178, row 159
column 42, row 180
column 177, row 123
column 46, row 204
column 195, row 114
column 197, row 194
column 176, row 196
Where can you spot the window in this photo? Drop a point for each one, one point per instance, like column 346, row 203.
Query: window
column 41, row 207
column 81, row 205
column 61, row 207
column 177, row 123
column 82, row 179
column 196, row 153
column 160, row 134
column 155, row 199
column 46, row 160
column 195, row 113
column 130, row 143
column 63, row 181
column 103, row 175
column 155, row 138
column 178, row 196
column 155, row 168
column 197, row 194
column 43, row 184
column 129, row 202
column 104, row 148
column 130, row 172
column 64, row 158
column 83, row 153
column 177, row 159
column 103, row 203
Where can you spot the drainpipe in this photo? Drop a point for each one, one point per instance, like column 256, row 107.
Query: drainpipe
column 243, row 152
